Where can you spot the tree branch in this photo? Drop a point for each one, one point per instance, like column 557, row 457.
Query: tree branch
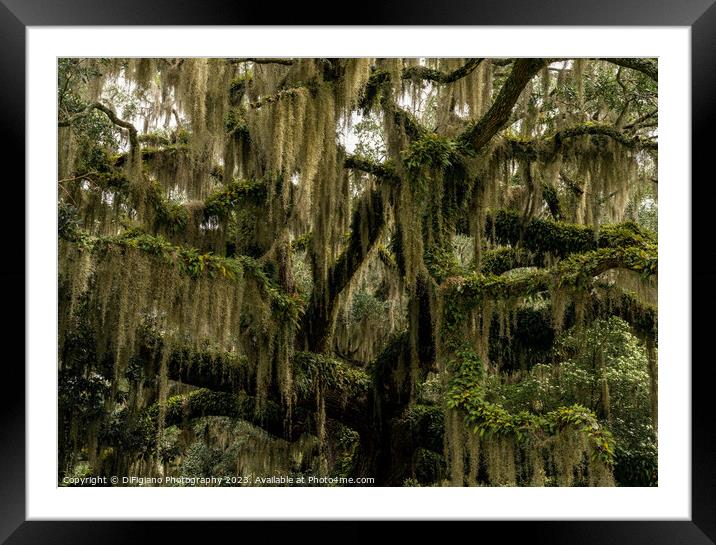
column 204, row 402
column 346, row 388
column 264, row 60
column 370, row 211
column 384, row 171
column 284, row 93
column 413, row 128
column 193, row 263
column 634, row 142
column 367, row 225
column 549, row 145
column 561, row 239
column 641, row 65
column 431, row 74
column 576, row 272
column 641, row 120
column 481, row 132
column 133, row 140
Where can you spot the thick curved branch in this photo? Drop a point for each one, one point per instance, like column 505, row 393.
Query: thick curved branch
column 561, row 239
column 383, row 171
column 346, row 390
column 181, row 409
column 379, row 78
column 369, row 218
column 412, row 127
column 204, row 402
column 431, row 74
column 480, row 133
column 576, row 272
column 264, row 60
column 367, row 225
column 599, row 129
column 547, row 147
column 641, row 65
column 284, row 93
column 133, row 139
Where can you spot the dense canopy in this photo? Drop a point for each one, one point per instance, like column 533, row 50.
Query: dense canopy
column 416, row 271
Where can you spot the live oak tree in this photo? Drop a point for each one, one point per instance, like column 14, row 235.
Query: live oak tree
column 424, row 271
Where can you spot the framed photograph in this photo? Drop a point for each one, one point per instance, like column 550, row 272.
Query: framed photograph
column 431, row 272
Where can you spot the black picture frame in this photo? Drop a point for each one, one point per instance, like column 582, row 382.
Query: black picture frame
column 699, row 15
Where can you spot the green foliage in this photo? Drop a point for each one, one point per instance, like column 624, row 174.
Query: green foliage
column 373, row 90
column 238, row 86
column 79, row 471
column 367, row 306
column 202, row 402
column 219, row 443
column 68, row 222
column 504, row 258
column 580, row 269
column 577, row 379
column 157, row 138
column 626, row 373
column 235, row 122
column 442, row 262
column 429, row 467
column 334, row 375
column 226, row 199
column 576, row 272
column 431, row 151
column 636, row 455
column 83, row 395
column 370, row 140
column 540, row 235
column 624, row 235
column 648, row 215
column 171, row 214
column 154, row 152
column 562, row 239
column 489, row 420
column 347, row 444
column 94, row 133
